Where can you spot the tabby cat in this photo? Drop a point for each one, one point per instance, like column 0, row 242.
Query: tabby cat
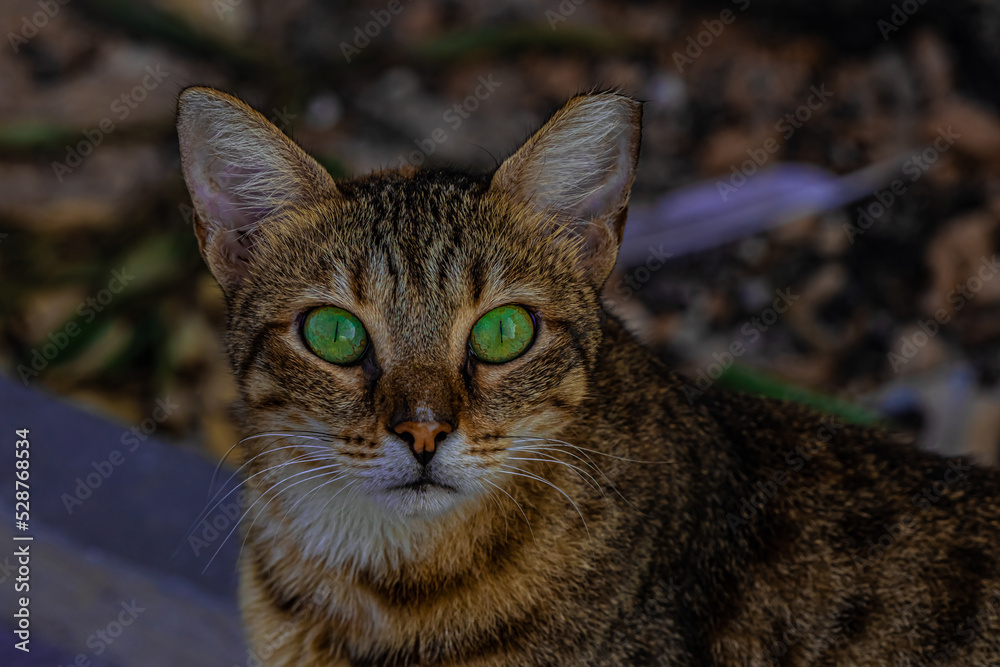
column 456, row 456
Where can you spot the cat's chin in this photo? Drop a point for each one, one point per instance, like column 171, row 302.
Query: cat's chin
column 424, row 500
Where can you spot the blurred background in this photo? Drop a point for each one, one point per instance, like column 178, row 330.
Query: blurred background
column 815, row 214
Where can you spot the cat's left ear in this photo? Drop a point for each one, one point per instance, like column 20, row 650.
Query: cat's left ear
column 240, row 170
column 577, row 171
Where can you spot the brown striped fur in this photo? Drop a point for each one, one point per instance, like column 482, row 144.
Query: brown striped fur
column 663, row 546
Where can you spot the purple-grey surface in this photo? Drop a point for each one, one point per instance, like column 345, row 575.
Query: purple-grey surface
column 111, row 578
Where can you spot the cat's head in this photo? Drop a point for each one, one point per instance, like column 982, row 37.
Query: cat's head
column 403, row 333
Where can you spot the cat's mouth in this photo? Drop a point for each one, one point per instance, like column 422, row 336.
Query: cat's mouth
column 423, row 496
column 422, row 485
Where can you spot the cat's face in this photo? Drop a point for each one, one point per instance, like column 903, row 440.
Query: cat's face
column 368, row 318
column 417, row 261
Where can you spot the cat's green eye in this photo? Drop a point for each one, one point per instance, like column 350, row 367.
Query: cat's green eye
column 503, row 334
column 335, row 335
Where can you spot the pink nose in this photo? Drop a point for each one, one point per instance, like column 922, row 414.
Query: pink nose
column 422, row 437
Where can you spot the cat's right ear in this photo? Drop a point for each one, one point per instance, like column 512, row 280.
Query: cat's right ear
column 241, row 171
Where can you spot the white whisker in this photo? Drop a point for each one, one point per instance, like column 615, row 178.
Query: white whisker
column 340, row 475
column 584, row 449
column 262, row 496
column 516, row 504
column 517, row 471
column 537, row 449
column 552, row 459
column 225, row 456
column 212, row 503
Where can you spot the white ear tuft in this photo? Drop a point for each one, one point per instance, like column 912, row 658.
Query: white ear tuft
column 579, row 168
column 240, row 170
